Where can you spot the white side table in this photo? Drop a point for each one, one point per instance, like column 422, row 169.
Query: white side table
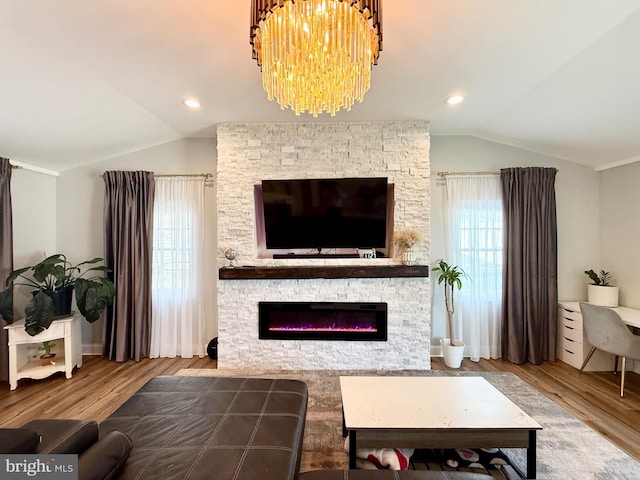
column 24, row 362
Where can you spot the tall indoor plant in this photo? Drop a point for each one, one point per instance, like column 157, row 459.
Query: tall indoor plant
column 52, row 282
column 451, row 276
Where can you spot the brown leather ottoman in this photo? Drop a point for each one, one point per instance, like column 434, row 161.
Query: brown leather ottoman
column 213, row 427
column 390, row 475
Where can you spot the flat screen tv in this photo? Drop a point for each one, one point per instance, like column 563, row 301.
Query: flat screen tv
column 325, row 213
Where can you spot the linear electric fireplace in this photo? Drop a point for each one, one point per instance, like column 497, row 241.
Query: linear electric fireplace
column 322, row 321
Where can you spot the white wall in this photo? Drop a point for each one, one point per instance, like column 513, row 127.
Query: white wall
column 577, row 204
column 79, row 208
column 33, row 200
column 620, row 230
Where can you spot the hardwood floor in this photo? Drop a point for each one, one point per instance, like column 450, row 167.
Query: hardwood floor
column 593, row 397
column 96, row 389
column 101, row 386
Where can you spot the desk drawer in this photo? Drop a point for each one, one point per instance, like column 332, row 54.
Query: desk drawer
column 573, row 347
column 570, row 338
column 571, row 353
column 56, row 330
column 571, row 329
column 571, row 314
column 569, row 341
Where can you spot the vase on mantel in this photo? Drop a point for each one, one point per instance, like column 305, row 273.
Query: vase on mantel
column 409, row 257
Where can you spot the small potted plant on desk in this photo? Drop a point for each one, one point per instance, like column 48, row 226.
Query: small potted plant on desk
column 600, row 291
column 52, row 282
column 451, row 276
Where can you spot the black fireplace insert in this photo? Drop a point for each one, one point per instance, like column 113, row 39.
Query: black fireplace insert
column 322, row 321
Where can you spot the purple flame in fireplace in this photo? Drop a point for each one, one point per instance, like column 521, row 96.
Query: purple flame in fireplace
column 303, row 321
column 316, row 320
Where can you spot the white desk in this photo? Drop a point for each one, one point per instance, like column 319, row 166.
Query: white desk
column 630, row 316
column 573, row 346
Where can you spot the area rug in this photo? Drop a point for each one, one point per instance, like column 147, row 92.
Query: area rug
column 567, row 448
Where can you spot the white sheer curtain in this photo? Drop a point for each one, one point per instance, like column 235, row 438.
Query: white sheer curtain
column 473, row 241
column 178, row 296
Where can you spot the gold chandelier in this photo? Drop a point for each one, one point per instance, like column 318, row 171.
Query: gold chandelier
column 316, row 55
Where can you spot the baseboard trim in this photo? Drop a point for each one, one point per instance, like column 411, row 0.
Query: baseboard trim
column 91, row 349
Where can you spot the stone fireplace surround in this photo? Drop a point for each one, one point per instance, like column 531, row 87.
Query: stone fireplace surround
column 248, row 153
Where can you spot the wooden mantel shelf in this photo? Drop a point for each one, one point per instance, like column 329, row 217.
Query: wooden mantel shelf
column 322, row 271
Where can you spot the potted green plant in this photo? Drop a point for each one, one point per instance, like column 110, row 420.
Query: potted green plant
column 600, row 291
column 47, row 357
column 52, row 282
column 451, row 276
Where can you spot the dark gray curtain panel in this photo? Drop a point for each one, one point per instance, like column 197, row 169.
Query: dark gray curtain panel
column 128, row 239
column 530, row 283
column 6, row 254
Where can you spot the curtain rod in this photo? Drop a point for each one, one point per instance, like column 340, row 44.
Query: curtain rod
column 205, row 175
column 444, row 174
column 494, row 172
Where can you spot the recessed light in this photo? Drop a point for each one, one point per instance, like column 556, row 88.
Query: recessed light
column 454, row 99
column 191, row 102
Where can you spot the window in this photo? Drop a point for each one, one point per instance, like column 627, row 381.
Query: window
column 473, row 238
column 479, row 245
column 173, row 239
column 178, row 280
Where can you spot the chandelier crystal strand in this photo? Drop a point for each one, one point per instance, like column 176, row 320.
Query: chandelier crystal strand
column 316, row 55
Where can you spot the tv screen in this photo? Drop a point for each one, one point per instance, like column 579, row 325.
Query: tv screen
column 325, row 213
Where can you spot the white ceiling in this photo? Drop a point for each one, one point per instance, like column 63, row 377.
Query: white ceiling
column 81, row 81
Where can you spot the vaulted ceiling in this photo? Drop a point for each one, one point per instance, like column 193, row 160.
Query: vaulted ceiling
column 82, row 81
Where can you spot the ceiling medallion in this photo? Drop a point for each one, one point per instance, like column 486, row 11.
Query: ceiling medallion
column 316, row 55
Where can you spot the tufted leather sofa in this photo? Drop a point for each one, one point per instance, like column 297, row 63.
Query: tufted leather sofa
column 209, row 427
column 98, row 459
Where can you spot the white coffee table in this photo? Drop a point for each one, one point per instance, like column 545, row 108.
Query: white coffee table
column 433, row 412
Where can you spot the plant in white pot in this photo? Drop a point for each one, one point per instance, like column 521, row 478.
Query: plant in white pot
column 600, row 291
column 451, row 276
